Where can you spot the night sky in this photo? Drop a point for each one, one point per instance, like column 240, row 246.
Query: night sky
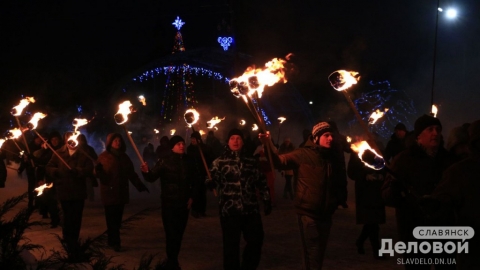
column 66, row 53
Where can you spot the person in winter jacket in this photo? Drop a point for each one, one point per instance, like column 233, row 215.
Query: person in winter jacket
column 115, row 169
column 237, row 179
column 175, row 171
column 396, row 144
column 70, row 185
column 320, row 189
column 413, row 174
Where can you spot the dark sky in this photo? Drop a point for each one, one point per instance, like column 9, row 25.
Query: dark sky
column 66, row 52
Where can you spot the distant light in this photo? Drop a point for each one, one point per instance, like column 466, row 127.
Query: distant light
column 451, row 13
column 178, row 23
column 225, row 42
column 440, row 9
column 311, row 102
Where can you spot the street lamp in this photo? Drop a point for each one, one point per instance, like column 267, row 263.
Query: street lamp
column 451, row 13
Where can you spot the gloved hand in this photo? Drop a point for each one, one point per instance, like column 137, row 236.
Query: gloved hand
column 267, row 208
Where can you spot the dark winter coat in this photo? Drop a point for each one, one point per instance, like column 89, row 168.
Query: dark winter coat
column 237, row 178
column 413, row 175
column 117, row 171
column 70, row 184
column 370, row 208
column 176, row 178
column 319, row 186
column 394, row 147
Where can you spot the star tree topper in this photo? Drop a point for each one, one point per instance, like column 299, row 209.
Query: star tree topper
column 178, row 23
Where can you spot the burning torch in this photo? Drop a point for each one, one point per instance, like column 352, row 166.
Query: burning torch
column 121, row 117
column 191, row 117
column 341, row 80
column 72, row 140
column 16, row 112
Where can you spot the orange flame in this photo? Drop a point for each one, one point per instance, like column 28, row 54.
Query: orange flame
column 434, row 110
column 201, row 132
column 17, row 110
column 1, row 142
column 42, row 187
column 14, row 133
column 376, row 115
column 72, row 140
column 349, row 139
column 281, row 119
column 78, row 122
column 254, row 127
column 215, row 120
column 254, row 80
column 142, row 100
column 191, row 117
column 124, row 109
column 242, row 122
column 35, row 118
column 172, row 132
column 156, row 131
column 361, row 147
column 342, row 79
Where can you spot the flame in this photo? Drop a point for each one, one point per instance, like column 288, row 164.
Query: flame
column 242, row 122
column 17, row 110
column 215, row 120
column 156, row 131
column 254, row 80
column 78, row 122
column 72, row 140
column 281, row 119
column 1, row 142
column 35, row 118
column 142, row 99
column 342, row 79
column 124, row 109
column 201, row 132
column 42, row 187
column 349, row 139
column 191, row 117
column 254, row 127
column 14, row 133
column 434, row 110
column 361, row 147
column 376, row 115
column 172, row 132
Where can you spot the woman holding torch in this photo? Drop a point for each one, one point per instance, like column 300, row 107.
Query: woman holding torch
column 175, row 171
column 114, row 169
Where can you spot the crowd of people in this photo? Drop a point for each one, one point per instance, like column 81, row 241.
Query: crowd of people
column 428, row 180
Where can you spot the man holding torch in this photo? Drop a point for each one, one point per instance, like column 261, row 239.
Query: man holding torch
column 318, row 193
column 69, row 170
column 237, row 179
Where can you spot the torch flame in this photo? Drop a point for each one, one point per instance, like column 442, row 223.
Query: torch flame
column 215, row 120
column 254, row 80
column 156, row 131
column 361, row 147
column 201, row 132
column 17, row 110
column 72, row 140
column 242, row 122
column 342, row 79
column 255, row 127
column 281, row 119
column 124, row 109
column 14, row 133
column 172, row 132
column 1, row 142
column 78, row 122
column 35, row 118
column 42, row 187
column 191, row 117
column 376, row 115
column 142, row 99
column 349, row 139
column 434, row 110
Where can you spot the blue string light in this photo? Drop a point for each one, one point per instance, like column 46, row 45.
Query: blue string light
column 225, row 42
column 168, row 70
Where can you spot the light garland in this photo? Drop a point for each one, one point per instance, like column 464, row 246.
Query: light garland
column 225, row 42
column 168, row 70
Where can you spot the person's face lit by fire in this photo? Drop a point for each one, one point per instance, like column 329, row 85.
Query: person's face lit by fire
column 116, row 143
column 235, row 143
column 430, row 137
column 326, row 140
column 179, row 148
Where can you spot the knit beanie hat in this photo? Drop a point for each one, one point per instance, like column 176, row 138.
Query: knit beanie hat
column 196, row 135
column 174, row 140
column 319, row 129
column 235, row 131
column 424, row 122
column 401, row 126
